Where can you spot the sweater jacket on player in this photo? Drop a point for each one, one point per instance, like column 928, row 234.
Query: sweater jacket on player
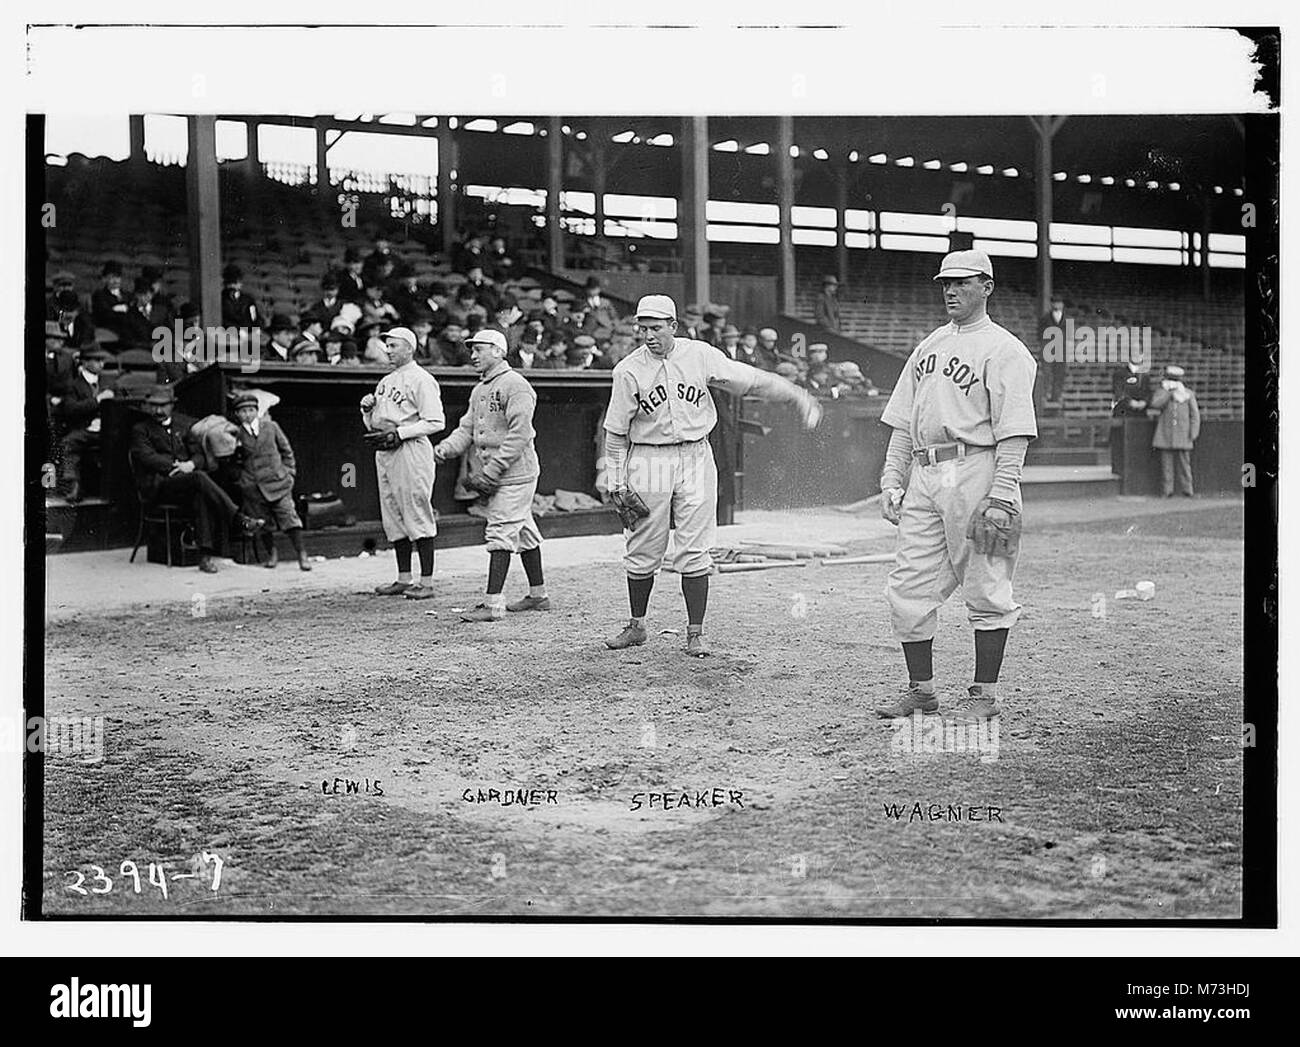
column 499, row 424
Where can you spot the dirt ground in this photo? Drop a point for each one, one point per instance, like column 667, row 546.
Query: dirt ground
column 1112, row 790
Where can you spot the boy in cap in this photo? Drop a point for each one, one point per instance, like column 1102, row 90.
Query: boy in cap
column 497, row 430
column 237, row 309
column 266, row 477
column 167, row 464
column 400, row 415
column 660, row 464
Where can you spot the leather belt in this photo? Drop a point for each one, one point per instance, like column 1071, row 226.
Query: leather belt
column 945, row 452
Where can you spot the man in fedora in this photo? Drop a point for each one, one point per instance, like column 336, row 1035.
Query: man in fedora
column 826, row 310
column 76, row 411
column 237, row 309
column 166, row 462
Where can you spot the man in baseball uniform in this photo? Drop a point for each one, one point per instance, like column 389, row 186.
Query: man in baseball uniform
column 497, row 432
column 660, row 465
column 400, row 415
column 962, row 416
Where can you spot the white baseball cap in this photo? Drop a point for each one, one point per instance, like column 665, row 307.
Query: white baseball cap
column 657, row 307
column 487, row 336
column 960, row 264
column 404, row 334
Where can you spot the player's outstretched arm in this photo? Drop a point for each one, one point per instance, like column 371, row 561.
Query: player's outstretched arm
column 772, row 386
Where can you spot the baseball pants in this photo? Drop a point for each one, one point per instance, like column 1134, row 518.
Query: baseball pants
column 679, row 484
column 934, row 558
column 510, row 523
column 406, row 476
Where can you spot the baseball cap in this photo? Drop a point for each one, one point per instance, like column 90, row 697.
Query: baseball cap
column 404, row 334
column 656, row 306
column 958, row 264
column 487, row 336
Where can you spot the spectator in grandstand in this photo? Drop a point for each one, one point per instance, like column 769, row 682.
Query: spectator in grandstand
column 768, row 354
column 77, row 328
column 818, row 356
column 731, row 342
column 349, row 354
column 789, row 370
column 311, row 328
column 469, row 252
column 167, row 464
column 509, row 320
column 60, row 359
column 371, row 339
column 1178, row 426
column 459, row 309
column 109, row 304
column 497, row 262
column 554, row 355
column 524, row 356
column 329, row 303
column 140, row 320
column 582, row 353
column 266, row 477
column 406, row 296
column 60, row 281
column 187, row 358
column 826, row 310
column 547, row 314
column 484, row 292
column 237, row 309
column 331, row 343
column 373, row 268
column 351, row 287
column 377, row 310
column 855, row 383
column 346, row 321
column 715, row 322
column 421, row 323
column 76, row 413
column 164, row 309
column 435, row 301
column 692, row 322
column 595, row 314
column 621, row 344
column 284, row 336
column 451, row 346
column 747, row 348
column 1050, row 384
column 306, row 352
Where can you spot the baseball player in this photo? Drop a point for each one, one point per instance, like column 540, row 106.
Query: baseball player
column 400, row 415
column 660, row 465
column 497, row 431
column 962, row 416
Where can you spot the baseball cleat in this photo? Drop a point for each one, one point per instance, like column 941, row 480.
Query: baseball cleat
column 530, row 603
column 420, row 592
column 980, row 708
column 913, row 701
column 696, row 646
column 633, row 635
column 482, row 613
column 272, row 557
column 393, row 588
column 303, row 563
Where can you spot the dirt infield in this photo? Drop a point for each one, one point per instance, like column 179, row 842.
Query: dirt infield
column 754, row 783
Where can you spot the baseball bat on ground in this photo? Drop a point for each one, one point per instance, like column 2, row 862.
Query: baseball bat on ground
column 869, row 558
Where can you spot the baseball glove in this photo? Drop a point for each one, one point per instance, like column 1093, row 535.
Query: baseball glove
column 630, row 505
column 994, row 528
column 383, row 439
column 476, row 481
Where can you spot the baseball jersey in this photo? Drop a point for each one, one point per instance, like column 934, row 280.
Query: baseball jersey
column 970, row 382
column 409, row 397
column 665, row 399
column 499, row 422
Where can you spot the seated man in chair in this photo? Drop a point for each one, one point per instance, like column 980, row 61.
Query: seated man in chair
column 168, row 468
